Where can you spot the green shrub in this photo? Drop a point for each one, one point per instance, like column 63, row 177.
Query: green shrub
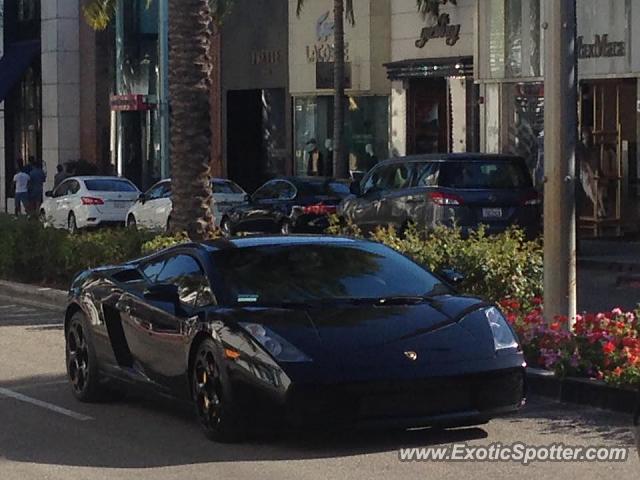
column 31, row 253
column 495, row 267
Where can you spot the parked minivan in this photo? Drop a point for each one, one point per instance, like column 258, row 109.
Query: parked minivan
column 465, row 190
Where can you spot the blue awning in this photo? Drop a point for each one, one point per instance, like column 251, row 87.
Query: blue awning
column 15, row 61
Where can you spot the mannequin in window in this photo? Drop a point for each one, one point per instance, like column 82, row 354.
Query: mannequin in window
column 315, row 165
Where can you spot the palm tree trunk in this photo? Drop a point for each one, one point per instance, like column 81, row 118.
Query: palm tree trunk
column 190, row 30
column 340, row 165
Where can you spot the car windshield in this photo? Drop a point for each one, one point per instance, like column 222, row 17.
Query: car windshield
column 226, row 187
column 304, row 274
column 109, row 185
column 484, row 175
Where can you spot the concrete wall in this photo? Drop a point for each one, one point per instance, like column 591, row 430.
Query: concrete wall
column 60, row 84
column 407, row 25
column 368, row 45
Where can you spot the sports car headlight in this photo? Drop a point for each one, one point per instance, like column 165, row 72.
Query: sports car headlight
column 503, row 337
column 273, row 343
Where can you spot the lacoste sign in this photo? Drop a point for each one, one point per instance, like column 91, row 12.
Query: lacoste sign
column 601, row 47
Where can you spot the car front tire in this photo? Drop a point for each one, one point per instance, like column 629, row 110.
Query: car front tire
column 218, row 416
column 132, row 223
column 72, row 224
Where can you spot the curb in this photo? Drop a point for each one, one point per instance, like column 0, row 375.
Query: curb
column 582, row 391
column 36, row 294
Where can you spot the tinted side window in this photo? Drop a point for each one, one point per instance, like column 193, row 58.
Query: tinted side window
column 185, row 272
column 62, row 190
column 285, row 190
column 265, row 192
column 159, row 191
column 74, row 187
column 427, row 174
column 152, row 269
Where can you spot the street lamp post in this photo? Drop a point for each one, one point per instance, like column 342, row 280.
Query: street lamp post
column 560, row 122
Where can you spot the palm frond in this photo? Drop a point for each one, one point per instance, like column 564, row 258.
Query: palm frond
column 99, row 13
column 348, row 10
column 220, row 9
column 432, row 7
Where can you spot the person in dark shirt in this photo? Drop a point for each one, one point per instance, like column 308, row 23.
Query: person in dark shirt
column 60, row 176
column 36, row 186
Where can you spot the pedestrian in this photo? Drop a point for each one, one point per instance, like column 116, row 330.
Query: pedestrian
column 60, row 176
column 21, row 185
column 36, row 186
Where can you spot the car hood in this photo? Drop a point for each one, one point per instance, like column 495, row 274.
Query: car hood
column 363, row 339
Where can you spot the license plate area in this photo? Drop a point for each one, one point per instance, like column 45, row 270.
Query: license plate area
column 492, row 213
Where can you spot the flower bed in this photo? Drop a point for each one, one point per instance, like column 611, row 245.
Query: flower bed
column 603, row 346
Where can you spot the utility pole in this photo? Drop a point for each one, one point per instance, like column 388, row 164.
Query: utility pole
column 560, row 125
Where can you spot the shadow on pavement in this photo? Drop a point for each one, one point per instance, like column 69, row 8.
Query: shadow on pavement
column 140, row 432
column 580, row 422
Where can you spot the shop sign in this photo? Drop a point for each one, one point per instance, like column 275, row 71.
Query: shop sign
column 442, row 29
column 266, row 57
column 601, row 47
column 323, row 51
column 130, row 103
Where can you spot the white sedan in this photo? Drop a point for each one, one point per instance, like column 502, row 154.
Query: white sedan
column 83, row 202
column 153, row 210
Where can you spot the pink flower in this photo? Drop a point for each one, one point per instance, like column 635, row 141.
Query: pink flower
column 616, row 311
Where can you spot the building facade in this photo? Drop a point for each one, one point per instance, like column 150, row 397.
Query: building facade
column 510, row 46
column 434, row 103
column 249, row 99
column 42, row 92
column 311, row 59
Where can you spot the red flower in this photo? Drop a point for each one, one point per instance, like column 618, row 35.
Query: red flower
column 555, row 326
column 608, row 348
column 618, row 372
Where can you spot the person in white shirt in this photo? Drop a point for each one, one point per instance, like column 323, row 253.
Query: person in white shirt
column 21, row 183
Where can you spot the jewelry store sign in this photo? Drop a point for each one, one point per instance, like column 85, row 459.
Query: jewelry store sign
column 601, row 47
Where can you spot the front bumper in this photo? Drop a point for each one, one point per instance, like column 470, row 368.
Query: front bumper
column 440, row 401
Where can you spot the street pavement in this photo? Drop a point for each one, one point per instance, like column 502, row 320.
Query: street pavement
column 46, row 434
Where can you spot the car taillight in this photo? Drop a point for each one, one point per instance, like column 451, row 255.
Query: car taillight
column 442, row 199
column 319, row 209
column 92, row 201
column 532, row 199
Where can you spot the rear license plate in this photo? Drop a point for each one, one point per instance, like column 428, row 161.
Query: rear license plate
column 119, row 205
column 492, row 212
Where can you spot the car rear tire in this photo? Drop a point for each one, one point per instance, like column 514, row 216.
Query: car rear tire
column 132, row 223
column 72, row 224
column 82, row 365
column 226, row 228
column 216, row 413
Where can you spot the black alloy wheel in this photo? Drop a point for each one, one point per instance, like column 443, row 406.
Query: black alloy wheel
column 215, row 411
column 82, row 368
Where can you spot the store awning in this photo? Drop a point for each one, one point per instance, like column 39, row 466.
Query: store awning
column 430, row 67
column 15, row 61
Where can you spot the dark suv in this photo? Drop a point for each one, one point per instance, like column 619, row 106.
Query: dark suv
column 448, row 189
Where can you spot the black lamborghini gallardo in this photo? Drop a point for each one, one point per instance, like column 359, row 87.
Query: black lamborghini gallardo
column 293, row 331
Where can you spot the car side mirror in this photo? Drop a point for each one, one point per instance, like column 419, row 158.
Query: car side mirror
column 48, row 193
column 163, row 292
column 453, row 277
column 247, row 198
column 356, row 189
column 142, row 198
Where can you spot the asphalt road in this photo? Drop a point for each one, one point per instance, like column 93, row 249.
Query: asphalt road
column 46, row 434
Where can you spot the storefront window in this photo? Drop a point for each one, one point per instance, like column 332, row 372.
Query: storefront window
column 366, row 131
column 510, row 38
column 526, row 125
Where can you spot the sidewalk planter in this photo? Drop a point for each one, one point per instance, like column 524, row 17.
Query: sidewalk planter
column 582, row 391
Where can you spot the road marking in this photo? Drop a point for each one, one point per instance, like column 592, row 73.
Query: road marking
column 39, row 403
